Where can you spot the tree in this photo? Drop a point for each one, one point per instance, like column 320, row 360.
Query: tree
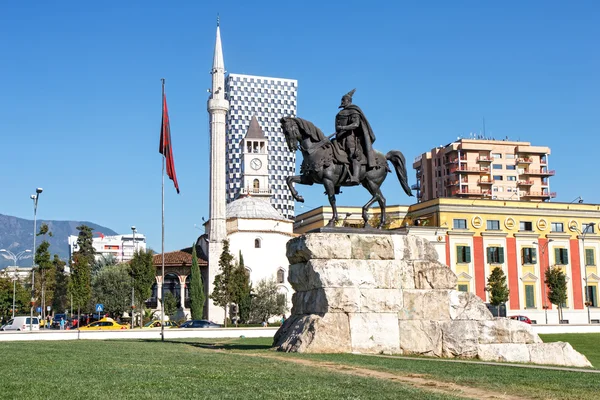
column 102, row 262
column 22, row 296
column 81, row 269
column 46, row 281
column 197, row 297
column 143, row 274
column 170, row 303
column 267, row 302
column 85, row 244
column 557, row 285
column 112, row 288
column 224, row 282
column 497, row 288
column 60, row 299
column 242, row 290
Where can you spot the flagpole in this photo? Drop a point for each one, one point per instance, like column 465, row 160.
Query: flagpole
column 162, row 300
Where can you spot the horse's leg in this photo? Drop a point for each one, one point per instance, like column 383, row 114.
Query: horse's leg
column 373, row 185
column 330, row 190
column 301, row 179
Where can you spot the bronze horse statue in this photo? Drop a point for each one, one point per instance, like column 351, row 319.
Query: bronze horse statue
column 321, row 164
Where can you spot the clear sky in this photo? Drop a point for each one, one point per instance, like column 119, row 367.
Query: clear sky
column 80, row 107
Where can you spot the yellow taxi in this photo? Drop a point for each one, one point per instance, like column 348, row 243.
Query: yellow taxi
column 156, row 324
column 105, row 324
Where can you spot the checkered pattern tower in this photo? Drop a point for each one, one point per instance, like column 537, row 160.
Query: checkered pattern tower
column 268, row 99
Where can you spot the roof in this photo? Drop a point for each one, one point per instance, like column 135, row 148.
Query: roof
column 181, row 257
column 254, row 130
column 252, row 208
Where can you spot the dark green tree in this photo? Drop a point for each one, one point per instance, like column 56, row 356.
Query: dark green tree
column 223, row 289
column 497, row 288
column 243, row 290
column 112, row 287
column 22, row 297
column 557, row 285
column 45, row 282
column 60, row 299
column 143, row 274
column 267, row 302
column 85, row 244
column 197, row 297
column 170, row 303
column 103, row 261
column 80, row 282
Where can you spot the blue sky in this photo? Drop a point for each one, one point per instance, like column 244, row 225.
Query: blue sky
column 80, row 109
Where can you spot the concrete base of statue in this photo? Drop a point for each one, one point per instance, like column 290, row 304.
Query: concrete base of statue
column 387, row 293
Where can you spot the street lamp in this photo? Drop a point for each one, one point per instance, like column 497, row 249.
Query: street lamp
column 15, row 257
column 543, row 252
column 133, row 280
column 582, row 234
column 35, row 197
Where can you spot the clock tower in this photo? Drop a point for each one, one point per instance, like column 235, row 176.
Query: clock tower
column 255, row 171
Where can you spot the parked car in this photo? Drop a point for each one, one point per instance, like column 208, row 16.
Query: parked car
column 521, row 318
column 156, row 324
column 199, row 323
column 22, row 324
column 56, row 320
column 105, row 324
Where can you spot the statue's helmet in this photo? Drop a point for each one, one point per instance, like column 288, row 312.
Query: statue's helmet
column 347, row 98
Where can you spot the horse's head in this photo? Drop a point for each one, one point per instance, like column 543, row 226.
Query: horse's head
column 291, row 132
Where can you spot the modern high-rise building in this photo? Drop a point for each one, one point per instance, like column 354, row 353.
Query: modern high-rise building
column 486, row 169
column 267, row 99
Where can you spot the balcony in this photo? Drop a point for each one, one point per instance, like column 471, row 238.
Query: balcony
column 455, row 160
column 539, row 172
column 524, row 183
column 472, row 192
column 543, row 195
column 485, row 182
column 464, row 168
column 256, row 191
column 485, row 159
column 524, row 160
column 416, row 186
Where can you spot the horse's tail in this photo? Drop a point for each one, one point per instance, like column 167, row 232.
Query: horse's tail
column 397, row 159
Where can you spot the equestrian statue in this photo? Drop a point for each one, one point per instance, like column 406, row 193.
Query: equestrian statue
column 346, row 158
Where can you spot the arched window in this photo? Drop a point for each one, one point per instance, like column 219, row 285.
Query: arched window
column 280, row 276
column 256, row 184
column 257, row 243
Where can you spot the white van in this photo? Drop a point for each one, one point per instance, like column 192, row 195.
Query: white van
column 22, row 324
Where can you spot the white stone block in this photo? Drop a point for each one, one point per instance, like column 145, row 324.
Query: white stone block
column 374, row 333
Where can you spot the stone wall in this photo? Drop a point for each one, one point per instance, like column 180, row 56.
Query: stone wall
column 388, row 293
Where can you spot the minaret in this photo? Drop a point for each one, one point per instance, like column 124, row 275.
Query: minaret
column 217, row 109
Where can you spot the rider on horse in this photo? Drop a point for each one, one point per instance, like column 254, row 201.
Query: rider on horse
column 355, row 136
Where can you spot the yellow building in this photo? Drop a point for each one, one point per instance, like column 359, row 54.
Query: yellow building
column 474, row 236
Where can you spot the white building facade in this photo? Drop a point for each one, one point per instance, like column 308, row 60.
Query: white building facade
column 267, row 99
column 121, row 247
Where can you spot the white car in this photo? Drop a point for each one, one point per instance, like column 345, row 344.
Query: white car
column 21, row 324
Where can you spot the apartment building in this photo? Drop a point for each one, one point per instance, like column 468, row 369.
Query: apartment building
column 484, row 169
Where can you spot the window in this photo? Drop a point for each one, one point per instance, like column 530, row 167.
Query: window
column 528, row 255
column 525, row 226
column 529, row 296
column 496, row 155
column 460, row 224
column 511, row 178
column 257, row 243
column 493, row 225
column 587, row 228
column 589, row 257
column 498, row 177
column 495, row 255
column 256, row 184
column 561, row 256
column 497, row 166
column 511, row 167
column 592, row 295
column 557, row 227
column 463, row 254
column 463, row 287
column 280, row 276
column 510, row 156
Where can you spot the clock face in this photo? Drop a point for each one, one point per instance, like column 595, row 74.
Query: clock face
column 255, row 163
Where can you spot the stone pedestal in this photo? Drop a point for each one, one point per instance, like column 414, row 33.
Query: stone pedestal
column 388, row 293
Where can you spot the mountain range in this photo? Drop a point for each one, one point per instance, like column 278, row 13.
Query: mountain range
column 16, row 235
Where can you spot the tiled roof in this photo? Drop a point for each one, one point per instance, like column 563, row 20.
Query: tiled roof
column 181, row 257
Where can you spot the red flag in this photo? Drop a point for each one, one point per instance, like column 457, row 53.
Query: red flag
column 165, row 144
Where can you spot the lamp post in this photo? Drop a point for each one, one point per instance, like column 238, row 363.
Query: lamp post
column 15, row 257
column 35, row 197
column 581, row 234
column 133, row 280
column 543, row 252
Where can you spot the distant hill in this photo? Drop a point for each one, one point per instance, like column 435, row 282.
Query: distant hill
column 16, row 234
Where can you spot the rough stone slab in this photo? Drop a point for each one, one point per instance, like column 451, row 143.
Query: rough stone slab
column 507, row 352
column 320, row 273
column 420, row 337
column 466, row 305
column 381, row 300
column 557, row 353
column 433, row 305
column 372, row 247
column 327, row 300
column 459, row 338
column 329, row 333
column 410, row 247
column 318, row 245
column 433, row 275
column 298, row 277
column 374, row 333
